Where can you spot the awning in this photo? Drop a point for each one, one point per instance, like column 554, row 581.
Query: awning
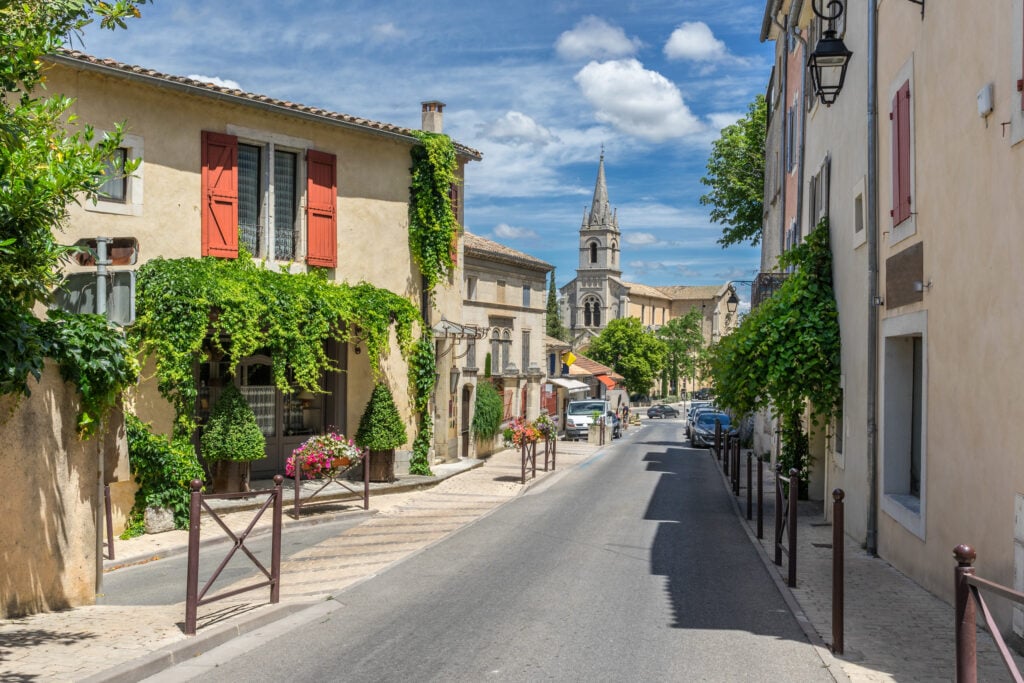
column 446, row 329
column 571, row 384
column 606, row 380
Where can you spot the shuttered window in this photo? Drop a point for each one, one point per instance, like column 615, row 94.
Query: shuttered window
column 900, row 119
column 321, row 212
column 286, row 233
column 250, row 198
column 220, row 195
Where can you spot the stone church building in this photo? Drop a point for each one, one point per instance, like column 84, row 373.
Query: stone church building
column 598, row 294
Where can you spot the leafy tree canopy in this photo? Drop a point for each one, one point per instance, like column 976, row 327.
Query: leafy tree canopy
column 633, row 352
column 553, row 324
column 735, row 174
column 684, row 339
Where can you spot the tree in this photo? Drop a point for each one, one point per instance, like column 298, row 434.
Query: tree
column 684, row 339
column 785, row 353
column 553, row 326
column 735, row 174
column 633, row 352
column 46, row 163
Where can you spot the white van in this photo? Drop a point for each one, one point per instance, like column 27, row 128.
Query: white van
column 580, row 414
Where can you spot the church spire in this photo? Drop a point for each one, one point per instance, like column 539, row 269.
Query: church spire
column 600, row 210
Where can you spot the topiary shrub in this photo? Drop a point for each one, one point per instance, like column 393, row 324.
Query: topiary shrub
column 163, row 471
column 381, row 430
column 232, row 435
column 487, row 411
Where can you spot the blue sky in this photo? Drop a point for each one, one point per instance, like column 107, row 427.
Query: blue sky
column 537, row 87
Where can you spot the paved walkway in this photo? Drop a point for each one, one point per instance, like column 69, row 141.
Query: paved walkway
column 895, row 630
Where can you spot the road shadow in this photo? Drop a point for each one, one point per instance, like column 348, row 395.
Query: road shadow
column 714, row 577
column 13, row 641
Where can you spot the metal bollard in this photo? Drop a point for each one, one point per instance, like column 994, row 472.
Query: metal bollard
column 366, row 480
column 838, row 560
column 778, row 514
column 192, row 576
column 760, row 498
column 750, row 492
column 794, row 487
column 727, row 454
column 718, row 440
column 108, row 509
column 275, row 542
column 736, row 465
column 966, row 644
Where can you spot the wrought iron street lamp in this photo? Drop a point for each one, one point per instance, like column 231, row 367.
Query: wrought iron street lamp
column 830, row 57
column 732, row 303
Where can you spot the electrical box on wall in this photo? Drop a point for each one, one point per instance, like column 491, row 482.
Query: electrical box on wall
column 985, row 101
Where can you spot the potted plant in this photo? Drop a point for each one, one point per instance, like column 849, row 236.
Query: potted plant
column 323, row 455
column 231, row 440
column 381, row 431
column 487, row 413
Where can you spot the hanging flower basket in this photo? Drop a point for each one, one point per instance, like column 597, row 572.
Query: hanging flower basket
column 324, row 455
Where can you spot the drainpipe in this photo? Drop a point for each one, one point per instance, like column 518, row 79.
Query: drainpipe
column 794, row 13
column 102, row 261
column 871, row 542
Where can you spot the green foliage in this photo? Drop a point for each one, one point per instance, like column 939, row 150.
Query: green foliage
column 94, row 356
column 163, row 470
column 487, row 365
column 232, row 432
column 187, row 309
column 735, row 174
column 684, row 339
column 432, row 222
column 47, row 161
column 381, row 427
column 488, row 411
column 553, row 321
column 785, row 353
column 633, row 352
column 422, row 368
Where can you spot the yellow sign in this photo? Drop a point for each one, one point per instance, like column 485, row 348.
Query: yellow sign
column 568, row 358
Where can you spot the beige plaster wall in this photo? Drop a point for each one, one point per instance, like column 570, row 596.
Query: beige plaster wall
column 47, row 519
column 966, row 175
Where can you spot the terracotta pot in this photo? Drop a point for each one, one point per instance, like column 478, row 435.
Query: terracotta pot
column 343, row 461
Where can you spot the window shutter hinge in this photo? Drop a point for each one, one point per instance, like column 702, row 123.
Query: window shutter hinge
column 890, row 116
column 1020, row 85
column 892, row 213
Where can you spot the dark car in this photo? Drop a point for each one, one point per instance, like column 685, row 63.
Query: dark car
column 662, row 410
column 703, row 433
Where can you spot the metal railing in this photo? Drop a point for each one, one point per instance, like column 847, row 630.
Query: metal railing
column 764, row 286
column 334, row 477
column 967, row 585
column 528, row 452
column 194, row 597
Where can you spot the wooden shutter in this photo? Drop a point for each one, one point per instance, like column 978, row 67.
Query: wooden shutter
column 900, row 116
column 321, row 209
column 220, row 195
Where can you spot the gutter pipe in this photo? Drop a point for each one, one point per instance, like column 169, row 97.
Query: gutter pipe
column 871, row 542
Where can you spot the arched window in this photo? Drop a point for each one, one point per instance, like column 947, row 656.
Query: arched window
column 593, row 252
column 597, row 315
column 495, row 352
column 506, row 346
column 615, row 253
column 586, row 314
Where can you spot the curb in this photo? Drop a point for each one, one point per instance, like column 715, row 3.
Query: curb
column 828, row 660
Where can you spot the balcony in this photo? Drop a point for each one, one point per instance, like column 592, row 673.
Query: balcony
column 764, row 286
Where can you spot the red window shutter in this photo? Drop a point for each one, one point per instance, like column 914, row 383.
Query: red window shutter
column 321, row 209
column 220, row 195
column 903, row 121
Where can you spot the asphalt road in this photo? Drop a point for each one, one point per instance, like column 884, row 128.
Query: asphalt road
column 631, row 567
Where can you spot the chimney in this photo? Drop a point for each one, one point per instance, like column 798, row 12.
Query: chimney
column 433, row 116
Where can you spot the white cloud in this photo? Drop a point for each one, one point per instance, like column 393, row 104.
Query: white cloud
column 637, row 101
column 517, row 128
column 222, row 82
column 695, row 41
column 640, row 239
column 509, row 232
column 388, row 31
column 718, row 121
column 594, row 38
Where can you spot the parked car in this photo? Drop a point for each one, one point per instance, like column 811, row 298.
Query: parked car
column 703, row 433
column 703, row 394
column 580, row 414
column 613, row 419
column 691, row 415
column 662, row 410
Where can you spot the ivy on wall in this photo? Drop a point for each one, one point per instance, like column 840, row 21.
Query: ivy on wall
column 190, row 309
column 432, row 221
column 422, row 378
column 785, row 353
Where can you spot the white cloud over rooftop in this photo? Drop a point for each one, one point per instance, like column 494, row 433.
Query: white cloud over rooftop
column 594, row 38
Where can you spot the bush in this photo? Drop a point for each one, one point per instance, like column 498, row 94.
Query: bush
column 163, row 471
column 488, row 411
column 381, row 427
column 232, row 432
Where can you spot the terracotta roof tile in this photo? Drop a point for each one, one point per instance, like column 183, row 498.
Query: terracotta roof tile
column 74, row 57
column 475, row 245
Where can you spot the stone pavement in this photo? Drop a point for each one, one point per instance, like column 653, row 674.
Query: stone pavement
column 894, row 629
column 105, row 642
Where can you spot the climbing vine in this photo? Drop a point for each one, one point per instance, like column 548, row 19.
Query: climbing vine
column 422, row 379
column 190, row 309
column 432, row 221
column 785, row 353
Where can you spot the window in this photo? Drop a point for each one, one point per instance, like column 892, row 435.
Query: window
column 471, row 288
column 115, row 187
column 526, row 295
column 470, row 353
column 904, row 411
column 495, row 350
column 526, row 350
column 593, row 252
column 837, row 429
column 506, row 348
column 817, row 194
column 900, row 118
column 120, row 193
column 587, row 317
column 790, row 139
column 257, row 186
